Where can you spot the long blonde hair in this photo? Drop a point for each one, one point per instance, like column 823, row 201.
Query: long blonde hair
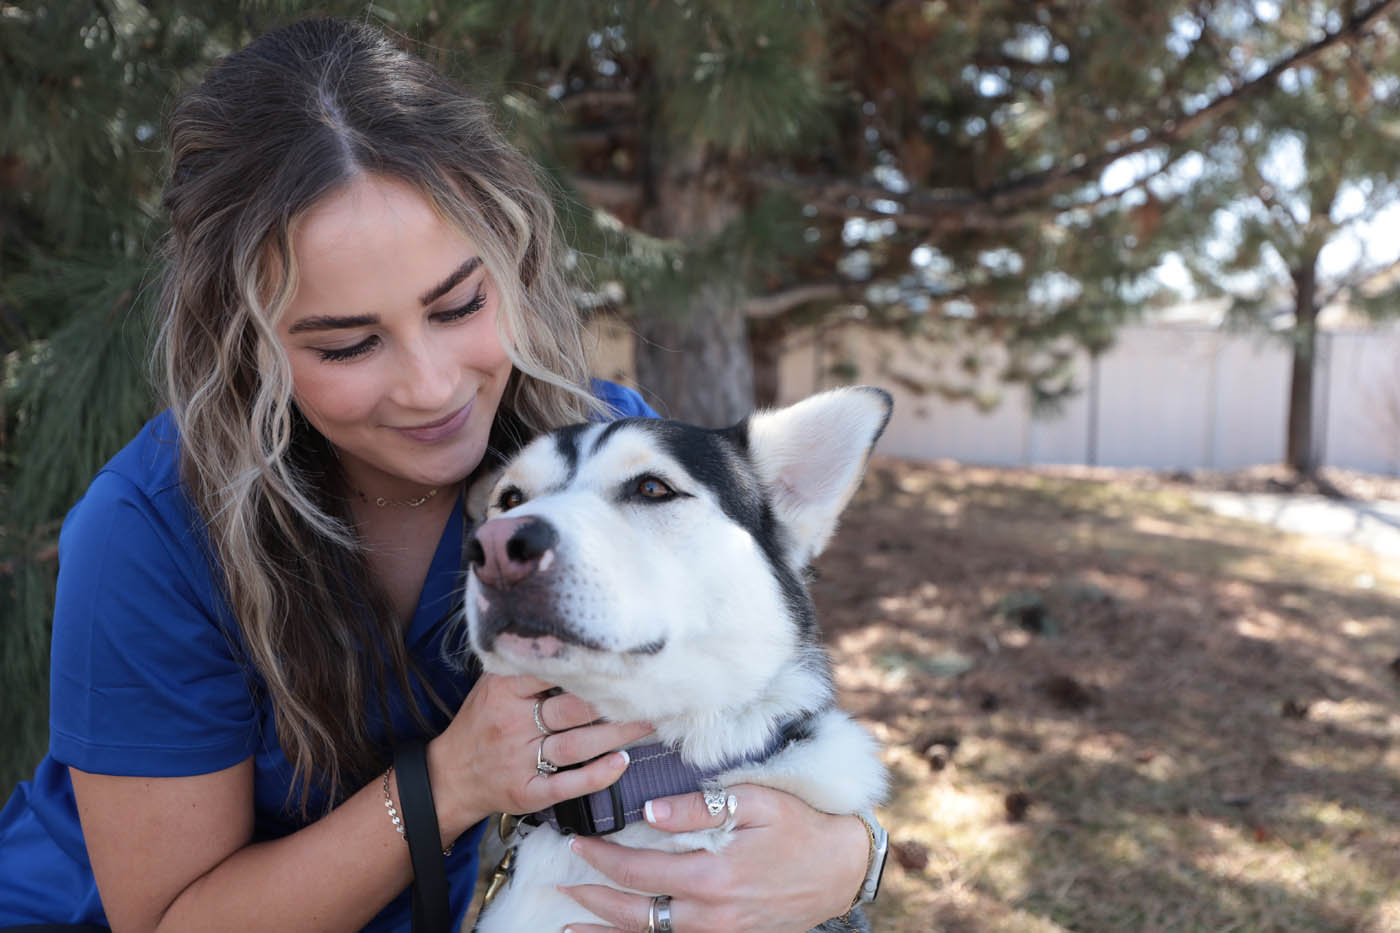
column 270, row 131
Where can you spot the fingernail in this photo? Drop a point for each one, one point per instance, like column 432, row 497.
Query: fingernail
column 656, row 810
column 573, row 843
column 626, row 758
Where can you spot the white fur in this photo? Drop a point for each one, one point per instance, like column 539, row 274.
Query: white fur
column 734, row 664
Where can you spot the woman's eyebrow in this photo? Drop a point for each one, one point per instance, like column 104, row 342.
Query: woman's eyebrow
column 330, row 322
column 449, row 283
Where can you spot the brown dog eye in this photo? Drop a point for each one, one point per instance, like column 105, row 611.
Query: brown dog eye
column 510, row 498
column 649, row 487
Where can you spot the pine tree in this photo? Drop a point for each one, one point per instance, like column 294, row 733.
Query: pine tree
column 1291, row 174
column 727, row 171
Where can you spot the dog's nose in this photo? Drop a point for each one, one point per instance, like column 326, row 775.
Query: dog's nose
column 505, row 551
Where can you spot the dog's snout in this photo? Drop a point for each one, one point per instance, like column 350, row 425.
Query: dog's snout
column 505, row 551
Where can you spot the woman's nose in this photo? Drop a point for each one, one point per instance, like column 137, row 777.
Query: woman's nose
column 427, row 378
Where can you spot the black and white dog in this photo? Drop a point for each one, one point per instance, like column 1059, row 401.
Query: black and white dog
column 658, row 571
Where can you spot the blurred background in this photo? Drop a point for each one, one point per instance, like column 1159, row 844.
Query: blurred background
column 1121, row 592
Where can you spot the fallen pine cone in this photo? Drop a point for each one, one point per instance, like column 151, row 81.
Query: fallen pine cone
column 1017, row 803
column 911, row 856
column 1067, row 693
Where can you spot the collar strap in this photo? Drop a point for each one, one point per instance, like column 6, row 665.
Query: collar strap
column 655, row 770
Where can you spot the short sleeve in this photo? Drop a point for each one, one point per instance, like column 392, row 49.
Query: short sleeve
column 144, row 680
column 623, row 401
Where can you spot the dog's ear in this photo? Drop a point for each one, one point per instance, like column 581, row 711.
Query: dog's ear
column 811, row 457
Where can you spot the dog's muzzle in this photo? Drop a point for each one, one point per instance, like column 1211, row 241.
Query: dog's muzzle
column 511, row 559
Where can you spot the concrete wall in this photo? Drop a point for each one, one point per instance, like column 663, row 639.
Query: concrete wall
column 1162, row 397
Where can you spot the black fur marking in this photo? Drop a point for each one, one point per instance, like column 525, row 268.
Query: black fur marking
column 566, row 444
column 651, row 647
column 611, row 428
column 799, row 729
column 719, row 460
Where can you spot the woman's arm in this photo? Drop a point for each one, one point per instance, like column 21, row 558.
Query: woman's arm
column 788, row 868
column 176, row 853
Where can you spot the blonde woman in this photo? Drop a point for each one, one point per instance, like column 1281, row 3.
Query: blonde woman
column 362, row 307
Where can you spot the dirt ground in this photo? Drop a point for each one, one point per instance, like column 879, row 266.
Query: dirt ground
column 1106, row 708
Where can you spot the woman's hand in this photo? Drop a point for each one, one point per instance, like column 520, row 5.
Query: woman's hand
column 788, row 868
column 486, row 760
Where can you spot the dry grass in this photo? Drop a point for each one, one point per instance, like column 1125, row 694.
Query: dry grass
column 1108, row 709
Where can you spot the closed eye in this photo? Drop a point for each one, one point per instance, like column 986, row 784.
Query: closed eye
column 341, row 354
column 466, row 310
column 338, row 354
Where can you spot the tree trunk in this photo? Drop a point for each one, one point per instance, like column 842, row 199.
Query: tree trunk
column 1300, row 391
column 695, row 365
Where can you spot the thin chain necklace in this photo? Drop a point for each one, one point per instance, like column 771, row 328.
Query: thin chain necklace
column 408, row 503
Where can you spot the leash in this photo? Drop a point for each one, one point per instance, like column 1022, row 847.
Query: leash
column 432, row 912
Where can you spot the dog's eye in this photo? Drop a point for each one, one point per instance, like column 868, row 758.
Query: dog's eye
column 649, row 487
column 509, row 498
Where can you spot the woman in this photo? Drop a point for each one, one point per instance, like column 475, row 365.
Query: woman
column 363, row 306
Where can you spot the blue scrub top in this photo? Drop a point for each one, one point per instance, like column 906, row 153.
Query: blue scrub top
column 145, row 681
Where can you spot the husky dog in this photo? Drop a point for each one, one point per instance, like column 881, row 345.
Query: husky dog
column 658, row 571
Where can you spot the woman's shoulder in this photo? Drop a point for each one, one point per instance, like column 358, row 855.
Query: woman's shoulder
column 624, row 402
column 137, row 497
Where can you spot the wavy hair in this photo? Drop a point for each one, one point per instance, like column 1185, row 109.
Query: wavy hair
column 271, row 130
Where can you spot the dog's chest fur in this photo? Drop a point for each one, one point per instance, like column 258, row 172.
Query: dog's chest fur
column 658, row 571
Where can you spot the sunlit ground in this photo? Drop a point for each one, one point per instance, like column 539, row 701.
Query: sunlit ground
column 1106, row 708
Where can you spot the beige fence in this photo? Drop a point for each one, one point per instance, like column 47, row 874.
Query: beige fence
column 1162, row 397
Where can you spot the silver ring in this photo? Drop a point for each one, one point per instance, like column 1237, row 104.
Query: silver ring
column 543, row 766
column 539, row 720
column 715, row 800
column 659, row 916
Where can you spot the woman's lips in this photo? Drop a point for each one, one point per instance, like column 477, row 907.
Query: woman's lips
column 438, row 430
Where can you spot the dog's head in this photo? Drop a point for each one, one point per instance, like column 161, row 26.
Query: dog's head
column 656, row 568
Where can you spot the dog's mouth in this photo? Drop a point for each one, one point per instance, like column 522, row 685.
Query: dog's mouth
column 527, row 624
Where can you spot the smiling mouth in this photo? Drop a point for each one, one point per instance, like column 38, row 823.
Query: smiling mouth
column 441, row 428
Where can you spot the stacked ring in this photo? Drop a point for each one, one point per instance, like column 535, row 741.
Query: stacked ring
column 659, row 914
column 539, row 720
column 543, row 766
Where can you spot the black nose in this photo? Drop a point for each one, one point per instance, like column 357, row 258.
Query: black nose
column 531, row 540
column 505, row 550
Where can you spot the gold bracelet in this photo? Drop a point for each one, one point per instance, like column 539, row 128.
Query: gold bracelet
column 394, row 816
column 869, row 861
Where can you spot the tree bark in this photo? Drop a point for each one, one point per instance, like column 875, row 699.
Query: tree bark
column 1300, row 392
column 694, row 365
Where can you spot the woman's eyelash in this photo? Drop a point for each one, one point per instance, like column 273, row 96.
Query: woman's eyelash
column 471, row 307
column 369, row 343
column 348, row 353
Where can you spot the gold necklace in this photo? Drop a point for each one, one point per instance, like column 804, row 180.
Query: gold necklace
column 410, row 503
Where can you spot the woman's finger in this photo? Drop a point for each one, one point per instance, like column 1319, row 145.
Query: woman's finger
column 648, row 870
column 588, row 742
column 545, row 790
column 744, row 804
column 523, row 685
column 624, row 911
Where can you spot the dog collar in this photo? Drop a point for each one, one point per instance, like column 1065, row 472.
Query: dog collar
column 655, row 770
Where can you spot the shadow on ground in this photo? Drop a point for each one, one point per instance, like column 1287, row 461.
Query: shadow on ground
column 1107, row 708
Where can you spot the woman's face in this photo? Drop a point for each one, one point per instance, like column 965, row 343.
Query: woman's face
column 392, row 338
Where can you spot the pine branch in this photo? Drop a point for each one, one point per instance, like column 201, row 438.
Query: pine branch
column 1005, row 206
column 777, row 303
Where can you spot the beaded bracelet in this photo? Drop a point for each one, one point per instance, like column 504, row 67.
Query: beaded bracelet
column 394, row 813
